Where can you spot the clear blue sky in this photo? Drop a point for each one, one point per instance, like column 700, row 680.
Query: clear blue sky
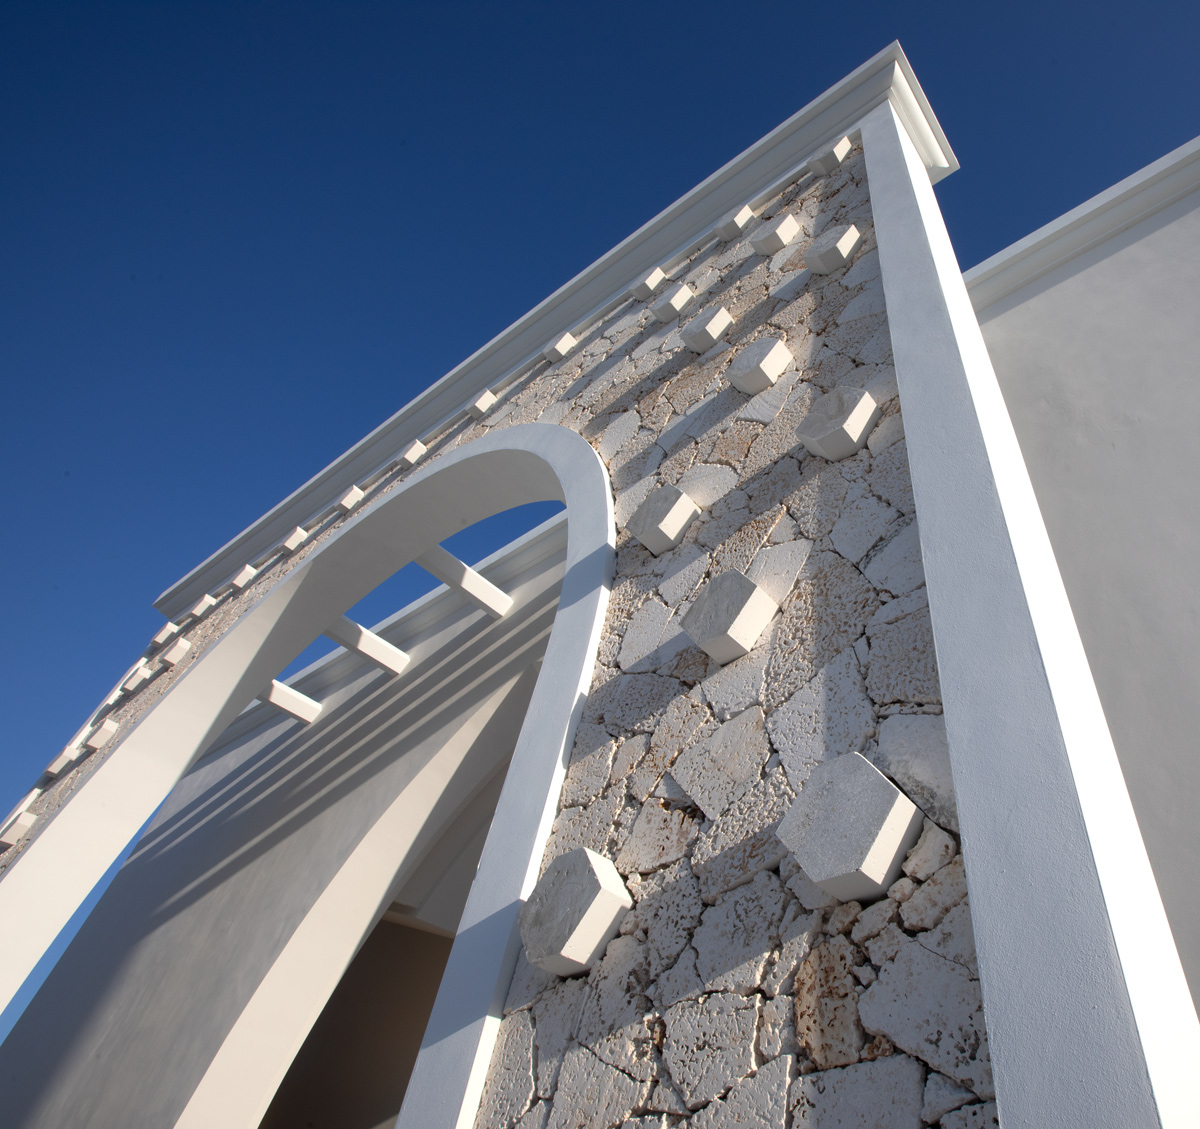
column 235, row 237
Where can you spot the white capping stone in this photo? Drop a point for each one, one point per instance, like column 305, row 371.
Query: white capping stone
column 828, row 159
column 350, row 500
column 733, row 223
column 482, row 404
column 165, row 634
column 202, row 606
column 663, row 518
column 759, row 365
column 176, row 652
column 300, row 706
column 14, row 832
column 648, row 283
column 705, row 329
column 832, row 249
column 556, row 350
column 138, row 677
column 838, row 424
column 294, row 540
column 776, row 235
column 573, row 912
column 668, row 307
column 851, row 828
column 102, row 734
column 728, row 616
column 412, row 454
column 245, row 574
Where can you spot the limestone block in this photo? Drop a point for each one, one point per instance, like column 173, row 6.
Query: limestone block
column 850, row 828
column 736, row 936
column 828, row 716
column 556, row 1024
column 683, row 574
column 985, row 1116
column 884, row 1094
column 777, row 1035
column 536, row 1118
column 710, row 1045
column 102, row 734
column 707, row 484
column 558, row 349
column 832, row 249
column 648, row 283
column 706, row 329
column 760, row 1100
column 734, row 222
column 593, row 1094
column 931, row 1008
column 739, row 685
column 936, row 898
column 797, row 935
column 615, row 1002
column 509, row 1087
column 652, row 638
column 826, row 994
column 865, row 304
column 807, row 892
column 660, row 836
column 661, row 521
column 350, row 500
column 202, row 606
column 839, row 423
column 720, row 768
column 673, row 302
column 176, row 652
column 954, row 938
column 942, row 1095
column 901, row 890
column 573, row 912
column 667, row 911
column 728, row 616
column 828, row 159
column 412, row 454
column 758, row 365
column 591, row 762
column 842, row 918
column 889, row 430
column 873, row 920
column 291, row 701
column 775, row 567
column 933, row 850
column 165, row 634
column 294, row 540
column 775, row 235
column 897, row 566
column 863, row 522
column 903, row 665
column 527, row 984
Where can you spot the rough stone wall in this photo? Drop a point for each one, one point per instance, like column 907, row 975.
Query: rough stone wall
column 737, row 992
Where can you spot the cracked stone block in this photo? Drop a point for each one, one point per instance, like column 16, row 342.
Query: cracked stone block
column 936, row 898
column 527, row 984
column 556, row 350
column 884, row 1094
column 796, row 939
column 889, row 430
column 176, row 652
column 412, row 454
column 826, row 994
column 648, row 283
column 760, row 1100
column 706, row 329
column 536, row 1118
column 706, row 484
column 683, row 575
column 777, row 1035
column 673, row 302
column 873, row 920
column 776, row 567
column 651, row 639
column 555, row 1025
column 903, row 663
column 351, row 500
column 776, row 235
column 728, row 616
column 593, row 1094
column 667, row 910
column 838, row 424
column 933, row 850
column 660, row 836
column 509, row 1088
column 591, row 763
column 736, row 936
column 897, row 566
column 931, row 1007
column 828, row 159
column 758, row 365
column 984, row 1116
column 942, row 1095
column 573, row 912
column 864, row 521
column 710, row 1045
column 734, row 222
column 832, row 249
column 661, row 521
column 850, row 828
column 720, row 768
column 954, row 938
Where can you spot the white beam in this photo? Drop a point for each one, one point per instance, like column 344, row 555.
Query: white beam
column 300, row 706
column 450, row 570
column 355, row 637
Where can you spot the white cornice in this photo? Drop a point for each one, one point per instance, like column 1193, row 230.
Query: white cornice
column 1117, row 209
column 888, row 77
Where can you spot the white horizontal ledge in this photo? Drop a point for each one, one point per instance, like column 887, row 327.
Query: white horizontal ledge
column 355, row 637
column 450, row 570
column 300, row 706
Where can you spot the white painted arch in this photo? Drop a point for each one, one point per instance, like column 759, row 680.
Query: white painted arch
column 518, row 465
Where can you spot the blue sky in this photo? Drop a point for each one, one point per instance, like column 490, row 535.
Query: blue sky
column 235, row 237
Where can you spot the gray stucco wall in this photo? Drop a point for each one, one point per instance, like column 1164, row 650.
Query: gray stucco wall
column 1098, row 362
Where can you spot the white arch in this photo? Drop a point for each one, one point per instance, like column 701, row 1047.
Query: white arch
column 522, row 464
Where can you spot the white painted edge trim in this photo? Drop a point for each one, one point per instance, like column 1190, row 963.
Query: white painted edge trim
column 1074, row 944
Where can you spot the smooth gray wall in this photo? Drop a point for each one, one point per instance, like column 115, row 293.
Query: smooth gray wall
column 1099, row 362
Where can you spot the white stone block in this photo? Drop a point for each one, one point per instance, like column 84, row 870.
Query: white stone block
column 720, row 768
column 176, row 652
column 482, row 404
column 62, row 762
column 661, row 521
column 850, row 828
column 300, row 706
column 828, row 159
column 351, row 500
column 573, row 912
column 556, row 350
column 412, row 454
column 733, row 223
column 648, row 283
column 356, row 638
column 17, row 829
column 294, row 540
column 668, row 307
column 832, row 249
column 705, row 330
column 776, row 235
column 244, row 576
column 138, row 677
column 165, row 634
column 728, row 616
column 838, row 424
column 102, row 734
column 202, row 606
column 759, row 365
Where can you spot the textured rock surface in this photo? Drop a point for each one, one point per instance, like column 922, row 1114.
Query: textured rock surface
column 710, row 1045
column 509, row 1088
column 884, row 1094
column 913, row 751
column 760, row 1100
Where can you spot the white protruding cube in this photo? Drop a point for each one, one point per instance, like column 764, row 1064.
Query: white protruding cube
column 62, row 762
column 832, row 249
column 758, row 365
column 648, row 283
column 102, row 734
column 294, row 540
column 351, row 500
column 662, row 519
column 482, row 404
column 138, row 677
column 776, row 235
column 850, row 828
column 16, row 830
column 412, row 454
column 573, row 912
column 556, row 350
column 839, row 423
column 828, row 159
column 165, row 634
column 705, row 329
column 245, row 574
column 667, row 308
column 728, row 616
column 732, row 224
column 202, row 606
column 176, row 652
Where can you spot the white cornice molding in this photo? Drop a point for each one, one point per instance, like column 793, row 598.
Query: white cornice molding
column 1113, row 211
column 887, row 77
